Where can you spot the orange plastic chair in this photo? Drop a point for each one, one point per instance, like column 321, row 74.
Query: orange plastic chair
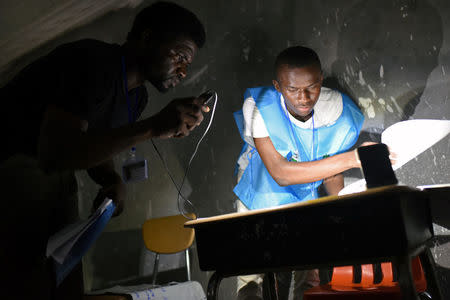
column 342, row 286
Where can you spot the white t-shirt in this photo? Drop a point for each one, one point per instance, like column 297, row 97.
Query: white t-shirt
column 326, row 111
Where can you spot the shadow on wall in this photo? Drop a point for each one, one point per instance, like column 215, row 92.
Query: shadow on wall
column 386, row 51
column 385, row 54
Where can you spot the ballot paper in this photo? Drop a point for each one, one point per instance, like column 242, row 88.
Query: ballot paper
column 68, row 245
column 407, row 139
column 190, row 290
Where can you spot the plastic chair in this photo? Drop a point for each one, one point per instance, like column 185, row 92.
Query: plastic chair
column 342, row 285
column 168, row 235
column 165, row 235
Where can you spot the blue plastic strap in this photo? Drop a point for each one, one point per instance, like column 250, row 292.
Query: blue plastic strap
column 131, row 112
column 295, row 137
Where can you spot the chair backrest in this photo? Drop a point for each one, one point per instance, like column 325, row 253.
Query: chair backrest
column 388, row 277
column 417, row 273
column 366, row 275
column 168, row 235
column 343, row 276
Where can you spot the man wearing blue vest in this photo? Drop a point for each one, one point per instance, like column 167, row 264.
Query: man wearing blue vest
column 297, row 135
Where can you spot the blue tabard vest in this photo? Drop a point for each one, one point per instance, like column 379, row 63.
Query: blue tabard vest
column 257, row 189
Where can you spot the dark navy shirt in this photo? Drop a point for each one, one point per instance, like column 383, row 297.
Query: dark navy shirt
column 84, row 78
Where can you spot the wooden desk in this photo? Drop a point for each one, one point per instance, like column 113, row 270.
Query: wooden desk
column 390, row 223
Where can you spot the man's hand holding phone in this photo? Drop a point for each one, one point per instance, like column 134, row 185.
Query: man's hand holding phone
column 181, row 116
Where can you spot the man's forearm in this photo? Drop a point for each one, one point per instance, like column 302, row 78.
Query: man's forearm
column 63, row 145
column 104, row 174
column 289, row 173
column 94, row 147
column 112, row 185
column 64, row 142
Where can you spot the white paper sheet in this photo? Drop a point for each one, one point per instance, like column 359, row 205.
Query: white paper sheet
column 59, row 244
column 190, row 290
column 407, row 139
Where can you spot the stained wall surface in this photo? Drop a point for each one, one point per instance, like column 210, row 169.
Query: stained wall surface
column 391, row 57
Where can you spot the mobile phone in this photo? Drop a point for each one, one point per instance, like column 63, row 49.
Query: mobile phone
column 376, row 165
column 207, row 97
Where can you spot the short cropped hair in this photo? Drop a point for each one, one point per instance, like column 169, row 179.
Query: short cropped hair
column 297, row 57
column 168, row 21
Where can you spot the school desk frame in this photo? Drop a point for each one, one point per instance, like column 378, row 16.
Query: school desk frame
column 391, row 223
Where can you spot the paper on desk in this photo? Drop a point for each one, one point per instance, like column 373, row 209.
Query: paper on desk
column 407, row 139
column 189, row 290
column 60, row 244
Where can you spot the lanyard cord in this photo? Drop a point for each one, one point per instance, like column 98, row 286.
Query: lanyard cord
column 131, row 112
column 313, row 156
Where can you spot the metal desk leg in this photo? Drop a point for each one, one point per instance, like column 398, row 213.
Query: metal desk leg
column 270, row 285
column 213, row 286
column 426, row 258
column 405, row 278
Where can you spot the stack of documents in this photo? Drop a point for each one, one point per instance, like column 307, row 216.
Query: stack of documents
column 189, row 290
column 68, row 246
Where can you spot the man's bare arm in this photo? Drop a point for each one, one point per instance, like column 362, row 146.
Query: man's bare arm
column 104, row 173
column 288, row 173
column 111, row 183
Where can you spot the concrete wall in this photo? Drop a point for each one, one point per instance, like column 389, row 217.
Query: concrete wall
column 392, row 57
column 25, row 24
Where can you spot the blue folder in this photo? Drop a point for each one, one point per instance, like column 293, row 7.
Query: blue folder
column 82, row 245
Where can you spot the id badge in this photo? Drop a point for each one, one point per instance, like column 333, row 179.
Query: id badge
column 134, row 168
